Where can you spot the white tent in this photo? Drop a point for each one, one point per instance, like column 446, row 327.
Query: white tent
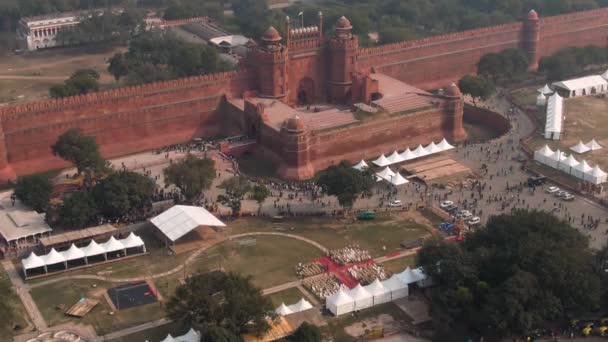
column 582, row 86
column 408, row 154
column 362, row 298
column 605, row 75
column 444, row 145
column 580, row 147
column 191, row 336
column 53, row 258
column 339, row 303
column 554, row 159
column 379, row 293
column 33, row 261
column 73, row 253
column 596, row 175
column 179, row 220
column 581, row 169
column 541, row 100
column 362, row 165
column 93, row 249
column 420, row 151
column 396, row 287
column 169, row 338
column 421, row 279
column 283, row 310
column 382, row 161
column 302, row 305
column 395, row 158
column 407, row 276
column 432, row 148
column 545, row 90
column 567, row 164
column 397, row 180
column 386, row 173
column 554, row 117
column 132, row 241
column 112, row 245
column 593, row 145
column 543, row 154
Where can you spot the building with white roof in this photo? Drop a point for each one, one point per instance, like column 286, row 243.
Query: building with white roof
column 20, row 225
column 582, row 86
column 554, row 117
column 180, row 220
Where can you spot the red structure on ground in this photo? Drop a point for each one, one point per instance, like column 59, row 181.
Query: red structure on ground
column 304, row 67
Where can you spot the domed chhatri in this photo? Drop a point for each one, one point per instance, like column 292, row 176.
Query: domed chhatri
column 452, row 91
column 343, row 24
column 295, row 124
column 532, row 15
column 271, row 35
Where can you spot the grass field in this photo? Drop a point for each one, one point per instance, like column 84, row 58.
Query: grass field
column 54, row 299
column 398, row 265
column 289, row 297
column 20, row 323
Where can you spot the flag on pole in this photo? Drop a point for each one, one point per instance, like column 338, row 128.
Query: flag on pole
column 301, row 13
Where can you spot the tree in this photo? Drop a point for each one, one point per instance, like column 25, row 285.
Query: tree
column 81, row 150
column 345, row 183
column 122, row 193
column 34, row 191
column 118, row 66
column 82, row 81
column 218, row 334
column 236, row 188
column 219, row 299
column 523, row 271
column 389, row 35
column 79, row 210
column 503, row 65
column 306, row 333
column 246, row 10
column 477, row 87
column 192, row 176
column 259, row 193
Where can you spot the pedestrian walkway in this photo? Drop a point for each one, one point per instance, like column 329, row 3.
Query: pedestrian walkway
column 135, row 329
column 23, row 292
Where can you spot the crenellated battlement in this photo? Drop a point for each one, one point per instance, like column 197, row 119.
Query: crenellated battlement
column 574, row 16
column 338, row 43
column 113, row 94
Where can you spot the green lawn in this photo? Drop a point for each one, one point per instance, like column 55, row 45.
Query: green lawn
column 67, row 293
column 398, row 265
column 19, row 323
column 289, row 297
column 270, row 261
column 155, row 334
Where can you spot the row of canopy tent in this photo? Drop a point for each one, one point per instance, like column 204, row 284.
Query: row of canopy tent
column 568, row 164
column 191, row 336
column 378, row 292
column 388, row 175
column 74, row 253
column 300, row 306
column 408, row 154
column 584, row 148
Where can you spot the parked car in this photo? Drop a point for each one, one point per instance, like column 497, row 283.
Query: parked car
column 464, row 214
column 568, row 197
column 450, row 209
column 446, row 204
column 474, row 220
column 560, row 193
column 395, row 203
column 552, row 190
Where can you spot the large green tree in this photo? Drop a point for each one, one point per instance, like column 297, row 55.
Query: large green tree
column 306, row 332
column 477, row 87
column 524, row 270
column 218, row 334
column 259, row 193
column 122, row 193
column 235, row 190
column 78, row 210
column 219, row 299
column 503, row 65
column 192, row 176
column 79, row 149
column 345, row 182
column 81, row 82
column 34, row 191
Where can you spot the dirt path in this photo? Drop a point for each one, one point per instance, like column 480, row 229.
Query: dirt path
column 39, row 78
column 23, row 292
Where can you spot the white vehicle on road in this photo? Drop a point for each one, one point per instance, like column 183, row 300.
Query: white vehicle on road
column 446, row 204
column 474, row 220
column 395, row 203
column 552, row 189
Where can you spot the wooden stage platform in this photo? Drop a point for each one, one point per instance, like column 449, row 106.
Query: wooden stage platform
column 434, row 168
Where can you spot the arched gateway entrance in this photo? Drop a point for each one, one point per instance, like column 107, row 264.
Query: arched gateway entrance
column 306, row 91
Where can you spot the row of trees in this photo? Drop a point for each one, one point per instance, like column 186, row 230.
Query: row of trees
column 155, row 56
column 570, row 62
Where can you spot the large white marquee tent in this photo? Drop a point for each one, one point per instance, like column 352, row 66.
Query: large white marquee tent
column 568, row 164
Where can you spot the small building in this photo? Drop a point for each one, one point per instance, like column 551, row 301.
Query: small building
column 20, row 226
column 583, row 86
column 179, row 220
column 554, row 117
column 226, row 44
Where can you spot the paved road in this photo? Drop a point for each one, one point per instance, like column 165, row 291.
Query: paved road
column 23, row 293
column 135, row 329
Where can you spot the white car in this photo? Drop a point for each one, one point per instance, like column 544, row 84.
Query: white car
column 395, row 203
column 464, row 214
column 474, row 220
column 446, row 204
column 552, row 189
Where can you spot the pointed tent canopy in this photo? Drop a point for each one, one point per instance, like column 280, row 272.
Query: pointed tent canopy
column 545, row 90
column 421, row 151
column 406, row 276
column 557, row 155
column 570, row 161
column 398, row 180
column 395, row 158
column 432, row 148
column 73, row 253
column 408, row 154
column 112, row 245
column 386, row 174
column 444, row 145
column 382, row 161
column 580, row 147
column 53, row 257
column 283, row 310
column 546, row 151
column 583, row 167
column 418, row 274
column 169, row 338
column 362, row 165
column 376, row 288
column 593, row 145
column 597, row 172
column 339, row 298
column 191, row 336
column 302, row 305
column 93, row 249
column 605, row 75
column 132, row 241
column 359, row 293
column 33, row 261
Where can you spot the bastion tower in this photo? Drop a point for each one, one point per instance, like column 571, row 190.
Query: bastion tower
column 531, row 38
column 342, row 59
column 270, row 60
column 454, row 112
column 296, row 150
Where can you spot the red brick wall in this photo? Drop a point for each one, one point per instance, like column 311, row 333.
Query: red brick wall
column 576, row 29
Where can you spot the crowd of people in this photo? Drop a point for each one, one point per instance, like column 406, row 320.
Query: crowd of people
column 349, row 254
